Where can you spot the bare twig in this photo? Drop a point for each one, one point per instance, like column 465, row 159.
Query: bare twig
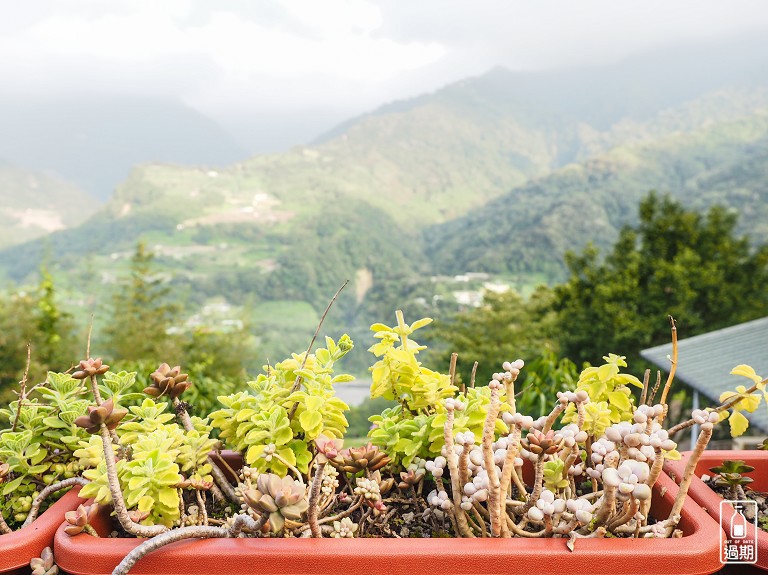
column 53, row 488
column 297, row 382
column 23, row 387
column 655, row 388
column 472, row 377
column 452, row 372
column 672, row 370
column 88, row 344
column 646, row 381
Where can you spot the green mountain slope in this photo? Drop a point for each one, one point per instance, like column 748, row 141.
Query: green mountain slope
column 529, row 229
column 94, row 141
column 33, row 205
column 500, row 173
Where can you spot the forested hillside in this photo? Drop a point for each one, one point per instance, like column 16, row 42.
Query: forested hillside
column 529, row 229
column 499, row 174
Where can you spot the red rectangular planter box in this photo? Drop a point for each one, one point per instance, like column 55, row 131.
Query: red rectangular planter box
column 697, row 552
column 17, row 549
column 710, row 501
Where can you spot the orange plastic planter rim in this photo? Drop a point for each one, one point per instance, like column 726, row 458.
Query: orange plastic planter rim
column 17, row 549
column 709, row 500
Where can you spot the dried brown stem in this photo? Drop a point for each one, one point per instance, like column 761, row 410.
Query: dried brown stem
column 453, row 466
column 608, row 507
column 297, row 382
column 690, row 468
column 121, row 511
column 646, row 382
column 655, row 388
column 672, row 369
column 537, row 484
column 509, row 465
column 23, row 387
column 553, row 415
column 314, row 496
column 472, row 377
column 349, row 511
column 494, row 497
column 53, row 488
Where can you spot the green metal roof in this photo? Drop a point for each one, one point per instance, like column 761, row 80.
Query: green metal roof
column 705, row 361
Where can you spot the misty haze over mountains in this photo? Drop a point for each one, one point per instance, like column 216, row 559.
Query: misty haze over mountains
column 498, row 174
column 93, row 140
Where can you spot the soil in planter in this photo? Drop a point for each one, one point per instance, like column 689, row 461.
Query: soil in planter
column 408, row 515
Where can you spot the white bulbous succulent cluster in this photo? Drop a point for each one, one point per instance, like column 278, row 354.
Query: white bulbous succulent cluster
column 704, row 417
column 330, row 480
column 345, row 528
column 603, row 453
column 511, row 371
column 582, row 510
column 579, row 396
column 629, row 479
column 524, row 421
column 439, row 499
column 454, row 404
column 368, row 488
column 548, row 505
column 436, row 466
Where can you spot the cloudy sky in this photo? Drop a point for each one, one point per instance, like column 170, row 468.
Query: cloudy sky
column 296, row 67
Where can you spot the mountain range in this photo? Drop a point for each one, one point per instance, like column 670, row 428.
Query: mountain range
column 499, row 174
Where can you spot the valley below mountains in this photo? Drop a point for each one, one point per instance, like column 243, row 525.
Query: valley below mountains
column 422, row 204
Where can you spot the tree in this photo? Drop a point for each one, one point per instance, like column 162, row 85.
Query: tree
column 141, row 314
column 506, row 327
column 674, row 262
column 34, row 317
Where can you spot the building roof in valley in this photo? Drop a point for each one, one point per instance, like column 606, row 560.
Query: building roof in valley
column 705, row 361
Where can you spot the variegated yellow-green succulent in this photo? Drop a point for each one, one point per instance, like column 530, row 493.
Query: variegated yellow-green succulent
column 414, row 427
column 288, row 407
column 608, row 391
column 38, row 444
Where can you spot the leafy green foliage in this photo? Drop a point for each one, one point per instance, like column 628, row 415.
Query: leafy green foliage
column 143, row 313
column 732, row 470
column 39, row 443
column 608, row 389
column 553, row 475
column 33, row 316
column 149, row 480
column 506, row 326
column 414, row 428
column 674, row 262
column 259, row 424
column 164, row 458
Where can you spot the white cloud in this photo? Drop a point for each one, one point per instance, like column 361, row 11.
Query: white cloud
column 287, row 57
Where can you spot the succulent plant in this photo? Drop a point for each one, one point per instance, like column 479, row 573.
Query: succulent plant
column 730, row 474
column 106, row 413
column 345, row 528
column 36, row 448
column 44, row 564
column 89, row 368
column 280, row 497
column 79, row 519
column 167, row 380
column 356, row 459
column 275, row 425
